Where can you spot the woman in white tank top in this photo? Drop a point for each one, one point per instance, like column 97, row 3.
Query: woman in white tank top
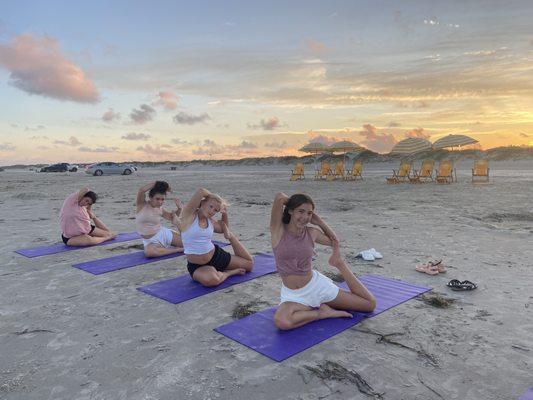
column 157, row 240
column 207, row 263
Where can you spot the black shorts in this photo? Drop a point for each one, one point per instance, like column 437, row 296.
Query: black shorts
column 220, row 261
column 65, row 239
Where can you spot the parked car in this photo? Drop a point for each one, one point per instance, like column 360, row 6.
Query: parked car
column 60, row 167
column 108, row 168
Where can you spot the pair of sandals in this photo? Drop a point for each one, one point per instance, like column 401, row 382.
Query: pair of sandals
column 432, row 267
column 456, row 284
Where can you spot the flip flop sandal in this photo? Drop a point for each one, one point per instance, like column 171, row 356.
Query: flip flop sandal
column 440, row 266
column 454, row 284
column 427, row 269
column 467, row 285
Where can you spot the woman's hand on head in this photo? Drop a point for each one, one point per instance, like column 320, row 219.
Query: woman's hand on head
column 315, row 219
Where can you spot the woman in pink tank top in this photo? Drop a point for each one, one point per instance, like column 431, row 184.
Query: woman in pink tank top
column 75, row 220
column 157, row 240
column 306, row 294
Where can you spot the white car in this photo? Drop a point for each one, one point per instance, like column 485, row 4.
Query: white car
column 109, row 168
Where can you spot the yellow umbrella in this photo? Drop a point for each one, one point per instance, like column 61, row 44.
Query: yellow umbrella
column 411, row 146
column 344, row 146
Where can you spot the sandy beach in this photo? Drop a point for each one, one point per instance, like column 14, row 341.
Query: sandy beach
column 66, row 334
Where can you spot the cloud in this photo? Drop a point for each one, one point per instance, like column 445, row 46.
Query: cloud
column 110, row 116
column 142, row 116
column 180, row 141
column 167, row 100
column 37, row 66
column 39, row 137
column 246, row 145
column 323, row 139
column 394, row 124
column 316, row 47
column 158, row 150
column 190, row 119
column 37, row 128
column 136, row 136
column 266, row 124
column 99, row 149
column 417, row 133
column 7, row 147
column 72, row 141
column 376, row 141
column 525, row 135
column 276, row 145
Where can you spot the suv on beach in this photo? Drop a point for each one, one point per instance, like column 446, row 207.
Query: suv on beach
column 61, row 167
column 108, row 168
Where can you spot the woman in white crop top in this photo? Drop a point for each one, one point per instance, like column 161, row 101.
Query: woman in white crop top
column 207, row 263
column 157, row 240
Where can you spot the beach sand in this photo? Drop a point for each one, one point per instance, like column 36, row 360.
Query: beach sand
column 66, row 334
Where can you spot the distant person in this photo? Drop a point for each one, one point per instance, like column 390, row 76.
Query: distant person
column 306, row 294
column 157, row 240
column 75, row 220
column 207, row 263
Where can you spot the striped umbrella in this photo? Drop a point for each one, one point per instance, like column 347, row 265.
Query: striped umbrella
column 453, row 141
column 344, row 146
column 411, row 145
column 314, row 148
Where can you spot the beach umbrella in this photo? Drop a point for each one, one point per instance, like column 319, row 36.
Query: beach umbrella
column 345, row 146
column 314, row 148
column 453, row 141
column 411, row 145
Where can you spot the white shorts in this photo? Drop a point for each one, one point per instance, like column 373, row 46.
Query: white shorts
column 162, row 238
column 319, row 290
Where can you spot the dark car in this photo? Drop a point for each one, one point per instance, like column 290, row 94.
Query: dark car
column 61, row 167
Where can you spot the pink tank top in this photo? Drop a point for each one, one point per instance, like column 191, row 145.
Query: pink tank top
column 149, row 220
column 293, row 254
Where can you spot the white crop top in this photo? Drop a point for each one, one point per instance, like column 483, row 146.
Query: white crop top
column 197, row 240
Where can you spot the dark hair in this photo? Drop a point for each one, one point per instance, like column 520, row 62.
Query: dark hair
column 296, row 200
column 90, row 194
column 160, row 187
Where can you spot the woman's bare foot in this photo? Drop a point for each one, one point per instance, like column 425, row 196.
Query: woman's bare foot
column 237, row 271
column 326, row 311
column 227, row 233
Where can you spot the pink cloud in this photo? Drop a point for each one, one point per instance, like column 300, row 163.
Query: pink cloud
column 37, row 66
column 110, row 115
column 316, row 47
column 418, row 133
column 168, row 100
column 319, row 138
column 376, row 141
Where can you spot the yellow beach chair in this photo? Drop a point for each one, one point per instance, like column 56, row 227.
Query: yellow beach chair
column 298, row 172
column 355, row 172
column 338, row 173
column 402, row 175
column 324, row 171
column 425, row 174
column 481, row 170
column 445, row 172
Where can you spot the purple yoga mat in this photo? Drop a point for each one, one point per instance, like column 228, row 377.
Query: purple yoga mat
column 183, row 288
column 528, row 395
column 60, row 247
column 258, row 332
column 104, row 265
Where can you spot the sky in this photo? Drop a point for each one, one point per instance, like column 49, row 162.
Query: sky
column 169, row 80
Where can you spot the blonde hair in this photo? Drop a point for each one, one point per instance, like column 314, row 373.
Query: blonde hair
column 217, row 198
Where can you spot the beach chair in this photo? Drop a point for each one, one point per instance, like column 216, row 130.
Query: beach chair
column 480, row 170
column 355, row 172
column 425, row 174
column 338, row 173
column 324, row 171
column 445, row 172
column 402, row 175
column 298, row 172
